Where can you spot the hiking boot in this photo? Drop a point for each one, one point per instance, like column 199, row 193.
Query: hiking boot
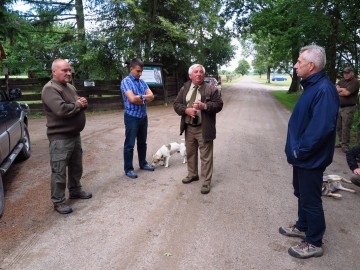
column 292, row 231
column 81, row 195
column 189, row 179
column 205, row 189
column 62, row 208
column 305, row 250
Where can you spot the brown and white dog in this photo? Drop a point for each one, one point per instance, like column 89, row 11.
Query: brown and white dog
column 166, row 151
column 332, row 183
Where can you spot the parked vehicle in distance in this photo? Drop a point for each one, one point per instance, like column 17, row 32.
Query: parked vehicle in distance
column 279, row 78
column 213, row 83
column 14, row 134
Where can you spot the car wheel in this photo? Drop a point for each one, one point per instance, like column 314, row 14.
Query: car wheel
column 26, row 150
column 1, row 196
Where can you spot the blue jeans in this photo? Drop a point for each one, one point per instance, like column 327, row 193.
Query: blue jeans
column 307, row 188
column 135, row 128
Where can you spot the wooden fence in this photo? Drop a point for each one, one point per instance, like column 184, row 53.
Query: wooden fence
column 101, row 95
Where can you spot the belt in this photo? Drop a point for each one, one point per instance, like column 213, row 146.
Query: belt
column 191, row 125
column 347, row 105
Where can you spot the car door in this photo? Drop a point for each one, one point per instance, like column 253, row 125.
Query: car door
column 4, row 137
column 13, row 124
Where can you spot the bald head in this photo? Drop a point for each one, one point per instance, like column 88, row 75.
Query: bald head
column 61, row 71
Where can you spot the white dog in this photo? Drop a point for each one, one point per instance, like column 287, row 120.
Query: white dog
column 332, row 183
column 164, row 153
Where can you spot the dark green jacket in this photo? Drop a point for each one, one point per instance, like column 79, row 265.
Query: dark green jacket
column 65, row 117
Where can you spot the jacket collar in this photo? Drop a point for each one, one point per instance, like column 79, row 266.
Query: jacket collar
column 312, row 79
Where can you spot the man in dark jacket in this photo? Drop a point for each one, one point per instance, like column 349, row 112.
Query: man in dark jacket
column 351, row 158
column 65, row 114
column 310, row 148
column 198, row 104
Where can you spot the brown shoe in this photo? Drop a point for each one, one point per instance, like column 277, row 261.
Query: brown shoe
column 189, row 179
column 62, row 208
column 205, row 189
column 81, row 195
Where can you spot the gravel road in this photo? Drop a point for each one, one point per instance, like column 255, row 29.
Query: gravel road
column 155, row 221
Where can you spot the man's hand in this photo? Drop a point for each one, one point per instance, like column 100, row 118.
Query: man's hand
column 357, row 171
column 82, row 101
column 198, row 105
column 191, row 112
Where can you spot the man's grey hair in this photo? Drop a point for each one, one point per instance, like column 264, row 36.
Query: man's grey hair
column 315, row 54
column 195, row 66
column 56, row 62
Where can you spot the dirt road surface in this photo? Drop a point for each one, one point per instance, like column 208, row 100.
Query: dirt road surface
column 155, row 221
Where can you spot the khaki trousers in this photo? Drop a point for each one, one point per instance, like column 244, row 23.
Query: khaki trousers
column 193, row 142
column 343, row 125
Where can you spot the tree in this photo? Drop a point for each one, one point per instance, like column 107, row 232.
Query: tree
column 243, row 67
column 289, row 25
column 173, row 33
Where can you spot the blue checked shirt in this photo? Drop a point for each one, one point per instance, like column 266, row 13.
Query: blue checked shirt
column 138, row 87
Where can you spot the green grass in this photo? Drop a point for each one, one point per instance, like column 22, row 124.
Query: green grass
column 36, row 115
column 288, row 100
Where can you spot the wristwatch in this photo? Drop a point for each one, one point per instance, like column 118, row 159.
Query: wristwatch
column 142, row 99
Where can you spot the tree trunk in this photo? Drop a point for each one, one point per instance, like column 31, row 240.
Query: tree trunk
column 80, row 22
column 150, row 35
column 295, row 83
column 268, row 74
column 332, row 42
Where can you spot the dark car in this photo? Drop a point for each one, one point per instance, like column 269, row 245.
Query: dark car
column 213, row 83
column 279, row 78
column 14, row 134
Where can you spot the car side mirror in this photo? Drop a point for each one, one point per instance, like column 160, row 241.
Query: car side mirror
column 15, row 93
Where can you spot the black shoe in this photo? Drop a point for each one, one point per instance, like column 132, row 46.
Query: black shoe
column 81, row 195
column 355, row 179
column 62, row 208
column 131, row 174
column 148, row 167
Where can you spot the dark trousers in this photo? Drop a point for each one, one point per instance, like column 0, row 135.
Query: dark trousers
column 307, row 188
column 135, row 128
column 65, row 154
